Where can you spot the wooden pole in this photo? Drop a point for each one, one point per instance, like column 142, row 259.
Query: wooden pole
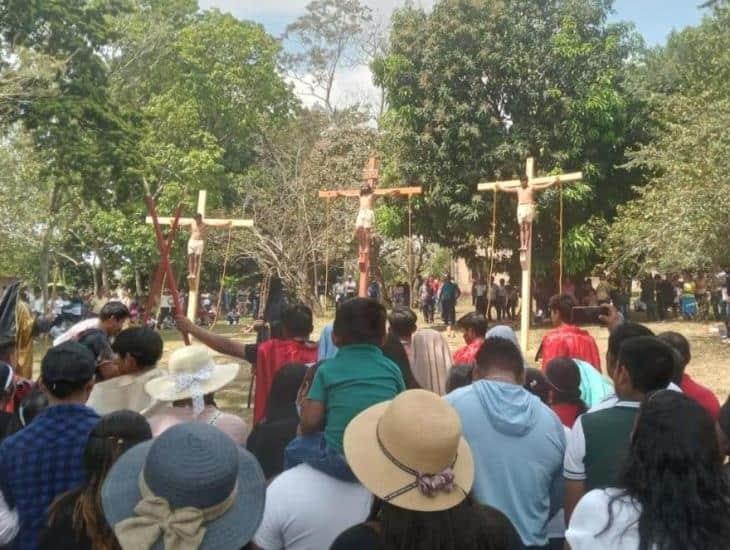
column 410, row 253
column 326, row 253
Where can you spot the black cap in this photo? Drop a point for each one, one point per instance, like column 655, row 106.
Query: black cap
column 68, row 362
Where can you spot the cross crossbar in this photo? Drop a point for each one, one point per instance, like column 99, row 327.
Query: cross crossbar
column 382, row 191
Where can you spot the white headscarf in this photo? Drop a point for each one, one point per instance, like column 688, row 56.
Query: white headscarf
column 431, row 360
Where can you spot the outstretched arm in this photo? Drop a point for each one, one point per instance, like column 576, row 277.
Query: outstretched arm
column 546, row 184
column 506, row 188
column 221, row 344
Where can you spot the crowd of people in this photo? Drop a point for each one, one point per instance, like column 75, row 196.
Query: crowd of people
column 377, row 436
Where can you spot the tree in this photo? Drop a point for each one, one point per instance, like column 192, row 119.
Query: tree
column 475, row 87
column 326, row 37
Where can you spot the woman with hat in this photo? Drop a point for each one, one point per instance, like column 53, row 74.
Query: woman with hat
column 410, row 453
column 191, row 488
column 190, row 384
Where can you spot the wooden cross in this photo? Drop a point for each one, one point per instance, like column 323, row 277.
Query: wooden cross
column 370, row 175
column 209, row 222
column 526, row 253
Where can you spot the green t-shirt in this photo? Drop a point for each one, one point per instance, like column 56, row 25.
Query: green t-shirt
column 358, row 377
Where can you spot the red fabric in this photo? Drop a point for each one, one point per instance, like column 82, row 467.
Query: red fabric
column 702, row 395
column 567, row 413
column 570, row 341
column 270, row 357
column 467, row 355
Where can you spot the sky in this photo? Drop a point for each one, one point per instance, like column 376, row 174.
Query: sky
column 654, row 19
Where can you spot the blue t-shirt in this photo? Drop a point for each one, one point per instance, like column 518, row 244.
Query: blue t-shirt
column 42, row 461
column 357, row 378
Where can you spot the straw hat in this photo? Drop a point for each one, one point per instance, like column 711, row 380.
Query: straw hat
column 191, row 488
column 192, row 373
column 409, row 452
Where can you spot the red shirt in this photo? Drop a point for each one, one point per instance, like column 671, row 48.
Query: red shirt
column 270, row 357
column 570, row 341
column 467, row 355
column 567, row 413
column 702, row 395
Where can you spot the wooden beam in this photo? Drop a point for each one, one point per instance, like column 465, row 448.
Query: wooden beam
column 510, row 184
column 188, row 221
column 401, row 191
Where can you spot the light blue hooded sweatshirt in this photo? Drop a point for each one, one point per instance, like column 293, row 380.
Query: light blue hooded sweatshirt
column 518, row 445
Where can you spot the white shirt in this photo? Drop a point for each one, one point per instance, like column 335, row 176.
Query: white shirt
column 166, row 301
column 38, row 306
column 75, row 330
column 591, row 517
column 58, row 305
column 307, row 510
column 125, row 392
column 9, row 522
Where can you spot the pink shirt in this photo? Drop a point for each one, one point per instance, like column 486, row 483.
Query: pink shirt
column 230, row 424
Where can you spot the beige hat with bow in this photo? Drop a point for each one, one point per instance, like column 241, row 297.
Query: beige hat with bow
column 410, row 453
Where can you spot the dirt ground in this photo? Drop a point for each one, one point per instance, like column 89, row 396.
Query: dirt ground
column 710, row 363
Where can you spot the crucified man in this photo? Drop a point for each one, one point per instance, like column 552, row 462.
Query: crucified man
column 366, row 219
column 196, row 243
column 526, row 207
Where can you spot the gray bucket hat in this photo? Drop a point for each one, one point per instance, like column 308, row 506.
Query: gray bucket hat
column 190, row 488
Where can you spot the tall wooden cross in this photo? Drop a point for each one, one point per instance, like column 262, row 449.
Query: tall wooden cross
column 515, row 186
column 209, row 222
column 370, row 177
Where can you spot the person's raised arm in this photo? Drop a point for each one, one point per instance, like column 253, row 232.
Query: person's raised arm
column 221, row 344
column 546, row 185
column 506, row 188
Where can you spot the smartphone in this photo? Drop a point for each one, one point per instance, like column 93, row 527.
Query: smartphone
column 589, row 315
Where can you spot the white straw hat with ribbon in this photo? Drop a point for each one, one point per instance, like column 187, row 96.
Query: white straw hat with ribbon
column 410, row 453
column 191, row 374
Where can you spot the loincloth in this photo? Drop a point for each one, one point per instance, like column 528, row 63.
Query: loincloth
column 525, row 213
column 195, row 246
column 365, row 219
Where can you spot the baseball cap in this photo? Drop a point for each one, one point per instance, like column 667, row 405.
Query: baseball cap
column 68, row 362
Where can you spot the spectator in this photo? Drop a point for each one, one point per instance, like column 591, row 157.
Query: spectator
column 190, row 384
column 603, row 290
column 271, row 355
column 536, row 383
column 270, row 437
column 192, row 487
column 411, row 455
column 594, row 387
column 704, row 396
column 501, row 420
column 426, row 295
column 394, row 350
column 563, row 378
column 479, row 296
column 402, row 323
column 567, row 340
column 473, row 327
column 45, row 459
column 138, row 350
column 350, row 288
column 75, row 519
column 459, row 376
column 431, row 360
column 30, row 407
column 358, row 377
column 327, row 348
column 598, row 441
column 501, row 292
column 448, row 295
column 672, row 493
column 111, row 320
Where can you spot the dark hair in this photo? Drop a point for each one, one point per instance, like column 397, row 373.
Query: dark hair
column 563, row 376
column 365, row 189
column 402, row 321
column 394, row 350
column 458, row 377
column 466, row 526
column 32, row 404
column 674, row 474
column 649, row 362
column 537, row 384
column 114, row 310
column 359, row 321
column 680, row 344
column 473, row 320
column 114, row 434
column 297, row 321
column 563, row 304
column 500, row 354
column 142, row 343
column 6, row 350
column 284, row 390
column 623, row 332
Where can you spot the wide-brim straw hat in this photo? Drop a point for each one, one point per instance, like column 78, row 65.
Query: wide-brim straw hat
column 190, row 466
column 416, row 436
column 191, row 361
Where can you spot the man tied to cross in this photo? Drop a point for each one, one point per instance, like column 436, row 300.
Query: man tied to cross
column 526, row 207
column 196, row 243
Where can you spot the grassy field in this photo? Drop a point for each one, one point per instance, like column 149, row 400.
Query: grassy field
column 710, row 357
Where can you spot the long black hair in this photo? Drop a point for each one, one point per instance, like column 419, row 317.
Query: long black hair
column 394, row 350
column 282, row 401
column 109, row 439
column 673, row 472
